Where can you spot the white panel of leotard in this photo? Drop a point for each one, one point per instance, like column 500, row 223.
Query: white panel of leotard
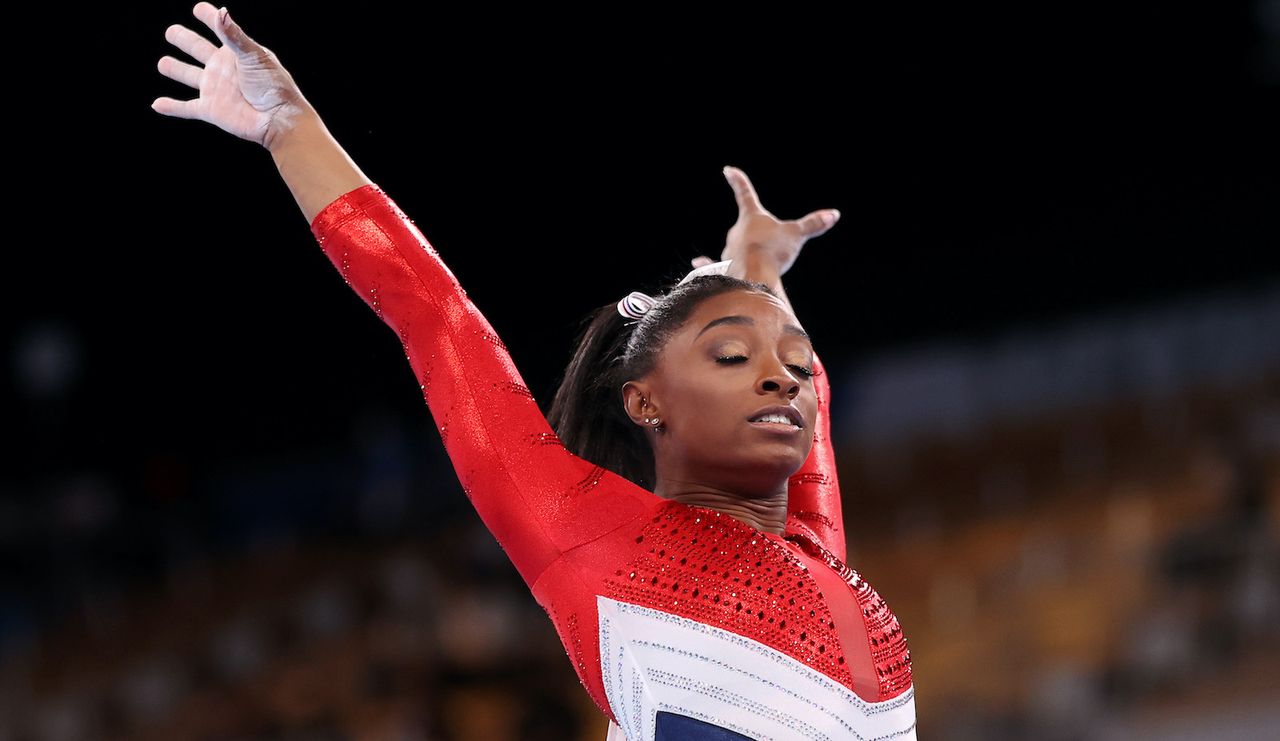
column 653, row 661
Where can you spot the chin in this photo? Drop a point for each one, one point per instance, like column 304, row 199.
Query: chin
column 783, row 462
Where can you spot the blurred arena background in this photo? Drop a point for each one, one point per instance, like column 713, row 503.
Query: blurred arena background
column 1051, row 312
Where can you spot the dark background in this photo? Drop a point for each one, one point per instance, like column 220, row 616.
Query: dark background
column 991, row 169
column 994, row 169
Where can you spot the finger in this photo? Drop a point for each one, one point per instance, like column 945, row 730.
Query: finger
column 227, row 30
column 187, row 74
column 197, row 46
column 175, row 108
column 743, row 191
column 817, row 222
column 701, row 260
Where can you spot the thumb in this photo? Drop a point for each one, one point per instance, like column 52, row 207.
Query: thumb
column 231, row 35
column 701, row 260
column 818, row 222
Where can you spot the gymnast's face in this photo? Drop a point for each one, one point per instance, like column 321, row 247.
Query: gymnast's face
column 739, row 353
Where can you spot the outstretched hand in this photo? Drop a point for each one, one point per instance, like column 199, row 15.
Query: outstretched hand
column 759, row 231
column 244, row 90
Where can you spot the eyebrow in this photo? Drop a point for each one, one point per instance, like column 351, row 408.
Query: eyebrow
column 739, row 319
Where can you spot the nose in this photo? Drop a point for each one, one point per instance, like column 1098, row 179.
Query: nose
column 778, row 380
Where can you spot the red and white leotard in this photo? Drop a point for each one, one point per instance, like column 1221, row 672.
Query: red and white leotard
column 663, row 608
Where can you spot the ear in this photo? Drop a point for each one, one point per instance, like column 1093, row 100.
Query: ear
column 637, row 402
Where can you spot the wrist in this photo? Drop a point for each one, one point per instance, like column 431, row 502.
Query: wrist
column 754, row 263
column 291, row 124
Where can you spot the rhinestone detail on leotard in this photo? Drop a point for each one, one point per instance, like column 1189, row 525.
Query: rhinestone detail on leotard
column 709, row 567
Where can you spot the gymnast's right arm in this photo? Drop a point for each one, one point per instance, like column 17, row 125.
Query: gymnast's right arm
column 537, row 498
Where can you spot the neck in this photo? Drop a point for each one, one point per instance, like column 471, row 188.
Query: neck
column 768, row 514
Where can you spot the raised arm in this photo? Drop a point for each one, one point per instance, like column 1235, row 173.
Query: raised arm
column 245, row 91
column 763, row 248
column 813, row 493
column 537, row 498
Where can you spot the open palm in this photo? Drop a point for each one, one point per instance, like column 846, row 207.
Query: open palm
column 244, row 90
column 759, row 230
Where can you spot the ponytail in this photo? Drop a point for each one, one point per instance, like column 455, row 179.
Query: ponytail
column 587, row 413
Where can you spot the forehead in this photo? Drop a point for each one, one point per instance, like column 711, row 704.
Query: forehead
column 765, row 312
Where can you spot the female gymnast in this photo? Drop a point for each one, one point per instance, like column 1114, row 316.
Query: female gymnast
column 677, row 512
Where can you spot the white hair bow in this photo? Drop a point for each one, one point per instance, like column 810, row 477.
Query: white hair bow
column 636, row 304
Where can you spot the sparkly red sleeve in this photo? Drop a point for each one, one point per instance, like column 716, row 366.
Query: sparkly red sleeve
column 813, row 494
column 537, row 498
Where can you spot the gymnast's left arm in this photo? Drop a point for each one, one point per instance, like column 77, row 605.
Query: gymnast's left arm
column 762, row 248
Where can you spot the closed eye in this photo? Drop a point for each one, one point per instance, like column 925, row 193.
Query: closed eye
column 735, row 359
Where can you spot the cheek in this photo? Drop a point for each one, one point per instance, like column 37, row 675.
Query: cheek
column 708, row 409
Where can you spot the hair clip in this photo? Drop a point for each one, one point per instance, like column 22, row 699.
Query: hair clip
column 636, row 304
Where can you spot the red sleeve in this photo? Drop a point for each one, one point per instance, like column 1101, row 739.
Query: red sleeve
column 813, row 495
column 536, row 497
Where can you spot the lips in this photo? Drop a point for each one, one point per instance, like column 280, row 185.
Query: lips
column 789, row 412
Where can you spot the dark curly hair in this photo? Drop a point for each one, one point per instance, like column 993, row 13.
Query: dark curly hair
column 587, row 412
